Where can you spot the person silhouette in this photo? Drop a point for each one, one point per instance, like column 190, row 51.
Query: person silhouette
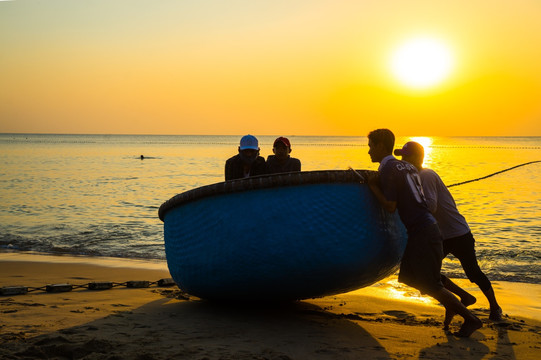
column 281, row 161
column 397, row 186
column 247, row 162
column 457, row 237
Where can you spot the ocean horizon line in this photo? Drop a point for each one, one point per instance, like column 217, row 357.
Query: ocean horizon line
column 287, row 135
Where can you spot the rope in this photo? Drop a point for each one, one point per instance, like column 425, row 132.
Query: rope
column 95, row 285
column 498, row 172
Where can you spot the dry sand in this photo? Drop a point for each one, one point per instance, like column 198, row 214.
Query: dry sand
column 378, row 322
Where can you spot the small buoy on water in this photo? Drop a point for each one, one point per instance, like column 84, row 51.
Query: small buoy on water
column 142, row 157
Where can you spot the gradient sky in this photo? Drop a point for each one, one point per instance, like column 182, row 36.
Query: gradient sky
column 281, row 67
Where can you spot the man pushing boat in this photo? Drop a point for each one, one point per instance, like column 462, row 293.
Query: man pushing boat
column 397, row 186
column 457, row 237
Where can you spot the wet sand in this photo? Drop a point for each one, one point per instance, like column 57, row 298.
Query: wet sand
column 377, row 322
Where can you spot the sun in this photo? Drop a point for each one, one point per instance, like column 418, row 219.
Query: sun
column 422, row 62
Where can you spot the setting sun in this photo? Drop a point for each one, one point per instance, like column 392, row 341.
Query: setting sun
column 439, row 68
column 421, row 63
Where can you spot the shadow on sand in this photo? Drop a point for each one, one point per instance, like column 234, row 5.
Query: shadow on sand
column 165, row 329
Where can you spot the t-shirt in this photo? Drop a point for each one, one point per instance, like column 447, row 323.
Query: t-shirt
column 234, row 168
column 442, row 205
column 275, row 167
column 400, row 182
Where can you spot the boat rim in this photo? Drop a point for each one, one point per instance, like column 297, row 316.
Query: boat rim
column 264, row 182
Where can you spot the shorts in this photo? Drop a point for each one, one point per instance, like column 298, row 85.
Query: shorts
column 421, row 263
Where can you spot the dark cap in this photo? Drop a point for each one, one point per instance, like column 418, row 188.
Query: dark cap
column 410, row 148
column 283, row 140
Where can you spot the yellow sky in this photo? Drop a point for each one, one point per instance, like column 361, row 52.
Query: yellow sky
column 282, row 67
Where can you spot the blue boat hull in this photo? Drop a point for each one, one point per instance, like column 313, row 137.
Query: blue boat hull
column 282, row 242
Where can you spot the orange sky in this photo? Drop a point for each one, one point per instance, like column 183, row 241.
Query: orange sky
column 310, row 67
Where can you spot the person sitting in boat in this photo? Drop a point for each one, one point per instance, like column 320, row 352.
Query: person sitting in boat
column 457, row 237
column 397, row 186
column 281, row 162
column 247, row 162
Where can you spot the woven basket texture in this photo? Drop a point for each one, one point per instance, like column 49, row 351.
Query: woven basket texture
column 281, row 243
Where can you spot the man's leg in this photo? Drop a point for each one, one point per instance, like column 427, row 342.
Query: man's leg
column 496, row 313
column 421, row 269
column 464, row 251
column 465, row 298
column 453, row 305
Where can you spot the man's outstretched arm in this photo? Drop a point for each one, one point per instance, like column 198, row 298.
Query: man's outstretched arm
column 373, row 183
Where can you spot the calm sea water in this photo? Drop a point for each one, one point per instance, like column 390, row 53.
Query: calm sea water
column 93, row 195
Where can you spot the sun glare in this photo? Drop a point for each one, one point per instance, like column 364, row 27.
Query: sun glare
column 423, row 140
column 426, row 142
column 421, row 63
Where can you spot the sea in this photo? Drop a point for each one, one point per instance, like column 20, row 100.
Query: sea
column 95, row 196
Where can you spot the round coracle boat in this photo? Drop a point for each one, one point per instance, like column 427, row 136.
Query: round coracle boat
column 280, row 237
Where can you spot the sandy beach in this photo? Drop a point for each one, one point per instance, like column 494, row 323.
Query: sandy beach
column 377, row 322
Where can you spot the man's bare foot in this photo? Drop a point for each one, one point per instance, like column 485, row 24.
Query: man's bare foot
column 449, row 315
column 496, row 314
column 469, row 327
column 468, row 300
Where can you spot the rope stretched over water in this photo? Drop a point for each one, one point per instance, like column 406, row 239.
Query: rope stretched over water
column 498, row 172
